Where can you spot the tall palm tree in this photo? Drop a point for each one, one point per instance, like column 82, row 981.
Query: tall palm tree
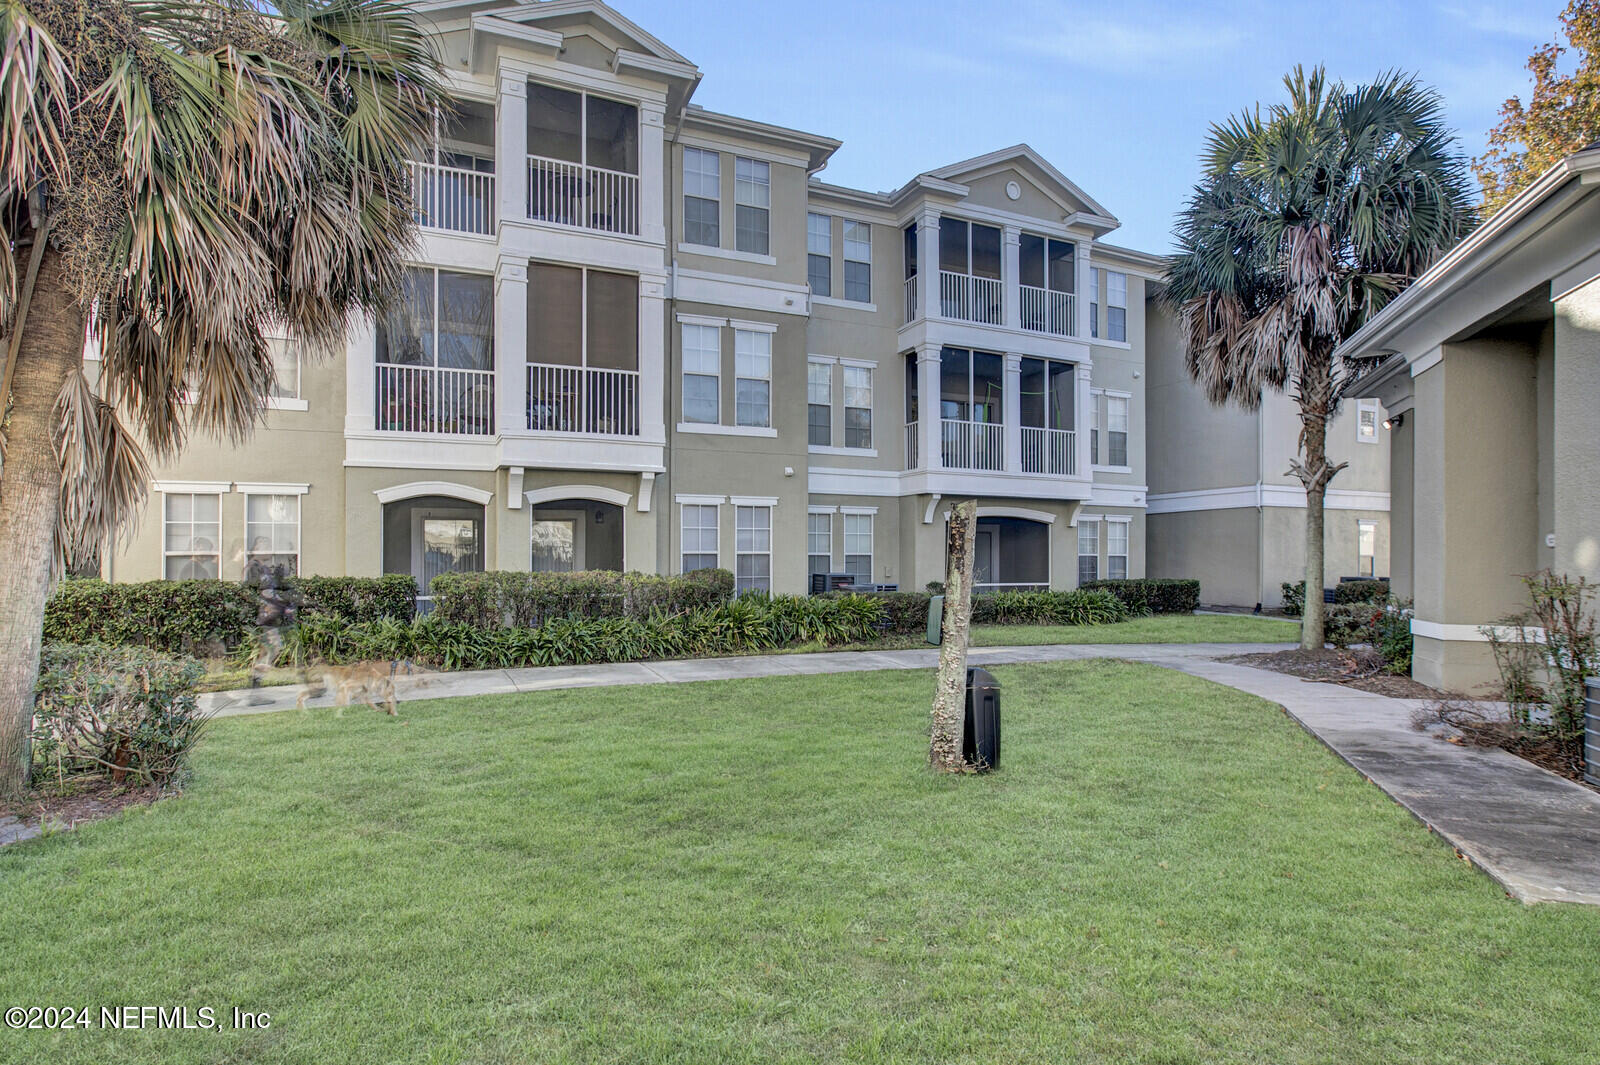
column 1308, row 218
column 179, row 174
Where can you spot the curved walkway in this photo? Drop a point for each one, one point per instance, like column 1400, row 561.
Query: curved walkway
column 1535, row 833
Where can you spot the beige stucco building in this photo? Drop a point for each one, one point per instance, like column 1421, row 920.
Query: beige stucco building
column 644, row 335
column 1223, row 505
column 1491, row 375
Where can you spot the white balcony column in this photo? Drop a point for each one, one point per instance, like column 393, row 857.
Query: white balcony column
column 511, row 146
column 928, row 428
column 928, row 263
column 652, row 176
column 1011, row 277
column 1083, row 419
column 1085, row 297
column 361, row 356
column 1011, row 409
column 653, row 364
column 510, row 345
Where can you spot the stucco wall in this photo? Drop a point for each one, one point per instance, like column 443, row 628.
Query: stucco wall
column 1577, row 432
column 1219, row 548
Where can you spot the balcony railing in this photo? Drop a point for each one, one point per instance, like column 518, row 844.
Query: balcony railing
column 971, row 299
column 428, row 399
column 446, row 197
column 1049, row 451
column 913, row 446
column 911, row 299
column 1048, row 311
column 579, row 399
column 968, row 445
column 589, row 197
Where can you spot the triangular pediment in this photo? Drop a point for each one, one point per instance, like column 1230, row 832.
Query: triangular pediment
column 1035, row 177
column 577, row 18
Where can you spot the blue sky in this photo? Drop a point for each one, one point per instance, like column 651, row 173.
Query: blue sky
column 1118, row 96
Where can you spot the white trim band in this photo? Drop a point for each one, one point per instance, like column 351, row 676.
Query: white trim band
column 414, row 489
column 259, row 488
column 1439, row 630
column 201, row 487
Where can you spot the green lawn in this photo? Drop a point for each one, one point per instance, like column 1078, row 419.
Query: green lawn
column 756, row 871
column 1172, row 628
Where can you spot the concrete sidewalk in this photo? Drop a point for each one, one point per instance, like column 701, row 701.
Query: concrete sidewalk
column 1535, row 833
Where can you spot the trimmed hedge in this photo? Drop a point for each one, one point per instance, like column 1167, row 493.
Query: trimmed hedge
column 1149, row 595
column 205, row 617
column 497, row 600
column 1361, row 591
column 1077, row 607
column 1294, row 598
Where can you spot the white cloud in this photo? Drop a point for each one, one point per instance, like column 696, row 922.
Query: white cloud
column 1499, row 21
column 1129, row 40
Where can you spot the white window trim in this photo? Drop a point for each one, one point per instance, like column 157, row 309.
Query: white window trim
column 299, row 520
column 738, row 328
column 821, row 512
column 708, row 429
column 1376, row 407
column 752, row 327
column 751, row 503
column 266, row 488
column 699, row 500
column 845, row 408
column 821, row 508
column 852, row 452
column 854, row 305
column 858, row 510
column 700, row 319
column 870, row 513
column 684, row 194
column 195, row 488
column 844, row 257
column 728, row 253
column 684, row 373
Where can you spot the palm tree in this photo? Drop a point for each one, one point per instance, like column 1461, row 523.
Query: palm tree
column 1306, row 221
column 179, row 174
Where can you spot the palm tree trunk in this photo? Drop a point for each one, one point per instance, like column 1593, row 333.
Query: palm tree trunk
column 1316, row 402
column 1313, row 621
column 950, row 695
column 30, row 501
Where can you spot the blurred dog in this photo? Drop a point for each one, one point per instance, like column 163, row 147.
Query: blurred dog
column 371, row 683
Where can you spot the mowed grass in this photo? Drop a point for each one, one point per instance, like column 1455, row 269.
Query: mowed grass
column 755, row 871
column 1171, row 628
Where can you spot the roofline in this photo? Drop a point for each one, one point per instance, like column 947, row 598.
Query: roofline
column 1449, row 272
column 1025, row 151
column 821, row 148
column 1156, row 263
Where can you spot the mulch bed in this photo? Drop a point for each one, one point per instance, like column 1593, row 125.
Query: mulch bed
column 1358, row 667
column 89, row 802
column 1470, row 727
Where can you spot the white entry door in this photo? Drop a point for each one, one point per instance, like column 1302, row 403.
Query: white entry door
column 985, row 554
column 557, row 541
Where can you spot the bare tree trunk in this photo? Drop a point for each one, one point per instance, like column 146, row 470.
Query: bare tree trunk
column 950, row 696
column 30, row 501
column 1313, row 620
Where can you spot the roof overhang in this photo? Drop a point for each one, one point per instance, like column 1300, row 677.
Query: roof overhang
column 814, row 148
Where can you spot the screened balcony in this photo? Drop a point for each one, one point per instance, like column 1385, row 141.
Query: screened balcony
column 987, row 424
column 434, row 371
column 452, row 187
column 583, row 160
column 583, row 351
column 1049, row 443
column 1046, row 272
column 970, row 289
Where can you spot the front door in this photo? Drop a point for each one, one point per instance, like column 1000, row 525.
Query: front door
column 445, row 541
column 985, row 546
column 558, row 541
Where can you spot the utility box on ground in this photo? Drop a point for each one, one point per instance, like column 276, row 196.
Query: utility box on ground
column 980, row 744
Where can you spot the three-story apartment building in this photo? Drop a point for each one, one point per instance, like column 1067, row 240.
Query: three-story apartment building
column 643, row 335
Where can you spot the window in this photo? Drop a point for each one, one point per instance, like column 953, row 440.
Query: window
column 819, row 403
column 578, row 148
column 858, row 406
column 699, row 536
column 702, row 197
column 459, row 336
column 858, row 547
column 819, row 254
column 752, row 530
column 191, row 535
column 1366, row 548
column 1116, row 306
column 819, row 543
column 1094, row 429
column 702, row 369
column 285, row 355
column 752, row 199
column 752, row 377
column 1088, row 550
column 857, row 261
column 272, row 533
column 1094, row 302
column 1117, row 430
column 1367, row 411
column 1117, row 550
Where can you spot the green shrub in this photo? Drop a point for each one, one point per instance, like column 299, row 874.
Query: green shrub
column 1076, row 607
column 904, row 613
column 127, row 714
column 1392, row 637
column 524, row 600
column 1294, row 598
column 200, row 617
column 1150, row 595
column 393, row 595
column 1361, row 592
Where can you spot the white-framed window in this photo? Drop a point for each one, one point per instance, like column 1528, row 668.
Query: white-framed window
column 1094, row 302
column 1116, row 306
column 702, row 197
column 700, row 536
column 1116, row 430
column 1094, row 427
column 702, row 373
column 1117, row 550
column 819, row 403
column 857, row 261
column 858, row 406
column 819, row 543
column 752, row 531
column 1088, row 550
column 858, row 547
column 285, row 367
column 1366, row 547
column 272, row 533
column 819, row 253
column 752, row 377
column 1368, row 413
column 752, row 199
column 191, row 535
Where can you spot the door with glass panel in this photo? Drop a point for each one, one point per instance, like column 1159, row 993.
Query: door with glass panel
column 444, row 541
column 558, row 545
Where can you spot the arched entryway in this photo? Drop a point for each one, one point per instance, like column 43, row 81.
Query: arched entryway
column 576, row 527
column 1011, row 552
column 430, row 529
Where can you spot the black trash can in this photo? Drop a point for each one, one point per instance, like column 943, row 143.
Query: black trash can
column 980, row 744
column 1591, row 729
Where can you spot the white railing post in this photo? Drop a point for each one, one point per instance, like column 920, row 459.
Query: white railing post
column 1011, row 407
column 928, row 274
column 511, row 343
column 651, row 189
column 511, row 147
column 928, row 406
column 1010, row 276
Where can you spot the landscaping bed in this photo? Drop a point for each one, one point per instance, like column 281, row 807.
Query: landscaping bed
column 755, row 871
column 1355, row 667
